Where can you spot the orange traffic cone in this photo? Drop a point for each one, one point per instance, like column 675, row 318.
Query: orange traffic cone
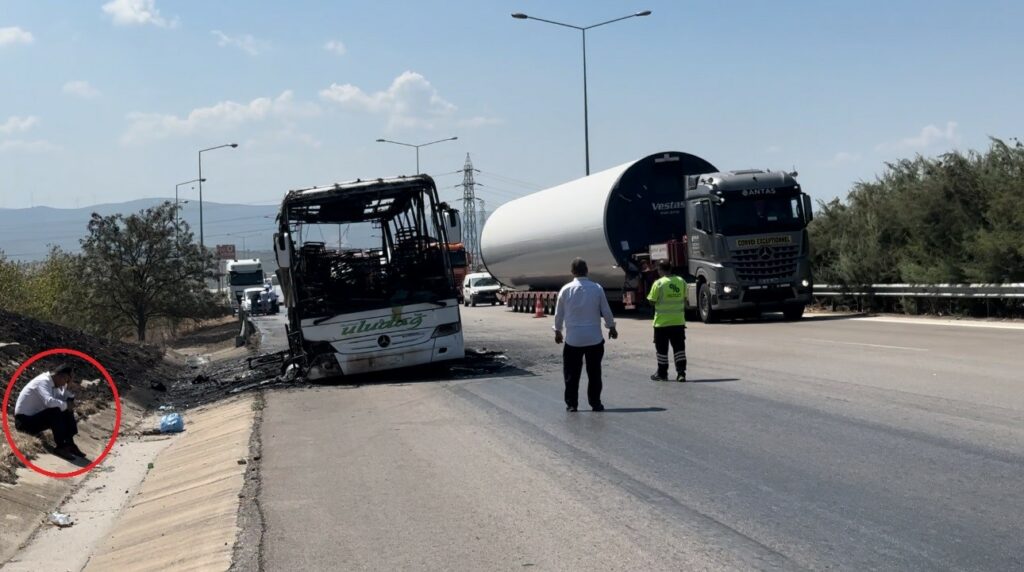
column 538, row 308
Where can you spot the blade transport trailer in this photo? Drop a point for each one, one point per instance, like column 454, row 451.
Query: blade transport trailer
column 622, row 220
column 386, row 304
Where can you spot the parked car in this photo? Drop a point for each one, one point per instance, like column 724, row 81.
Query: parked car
column 480, row 288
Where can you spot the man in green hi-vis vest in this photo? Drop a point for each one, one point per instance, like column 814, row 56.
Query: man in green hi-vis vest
column 668, row 294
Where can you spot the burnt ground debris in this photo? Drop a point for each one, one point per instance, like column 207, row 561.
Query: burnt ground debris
column 144, row 375
column 206, row 382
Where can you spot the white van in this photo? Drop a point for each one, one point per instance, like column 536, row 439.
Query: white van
column 480, row 288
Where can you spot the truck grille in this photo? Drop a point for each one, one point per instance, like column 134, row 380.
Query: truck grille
column 766, row 262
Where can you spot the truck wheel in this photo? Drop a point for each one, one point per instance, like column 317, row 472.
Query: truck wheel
column 472, row 301
column 793, row 313
column 707, row 314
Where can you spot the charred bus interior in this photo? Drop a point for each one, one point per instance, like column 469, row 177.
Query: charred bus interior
column 396, row 256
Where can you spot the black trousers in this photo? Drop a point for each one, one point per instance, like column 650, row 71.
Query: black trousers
column 572, row 366
column 676, row 336
column 61, row 423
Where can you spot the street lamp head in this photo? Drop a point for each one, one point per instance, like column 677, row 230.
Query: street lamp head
column 381, row 141
column 644, row 13
column 454, row 138
column 234, row 145
column 519, row 16
column 202, row 180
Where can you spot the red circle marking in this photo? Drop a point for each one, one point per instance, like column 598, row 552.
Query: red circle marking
column 117, row 412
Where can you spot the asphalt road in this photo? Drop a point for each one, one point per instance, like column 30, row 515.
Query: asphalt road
column 830, row 443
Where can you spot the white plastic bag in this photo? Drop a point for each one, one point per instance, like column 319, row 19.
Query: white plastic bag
column 60, row 519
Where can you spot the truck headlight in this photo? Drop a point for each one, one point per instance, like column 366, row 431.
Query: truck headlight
column 446, row 330
column 805, row 283
column 728, row 289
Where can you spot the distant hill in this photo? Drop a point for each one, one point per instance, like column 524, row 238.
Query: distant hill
column 25, row 234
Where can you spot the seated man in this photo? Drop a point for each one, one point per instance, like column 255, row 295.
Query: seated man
column 47, row 402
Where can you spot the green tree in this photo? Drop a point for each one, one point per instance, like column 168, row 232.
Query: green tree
column 142, row 267
column 954, row 218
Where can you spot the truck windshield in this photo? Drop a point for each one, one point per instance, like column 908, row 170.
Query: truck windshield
column 752, row 216
column 484, row 282
column 458, row 258
column 245, row 278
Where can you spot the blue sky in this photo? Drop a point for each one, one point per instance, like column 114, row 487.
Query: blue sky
column 106, row 101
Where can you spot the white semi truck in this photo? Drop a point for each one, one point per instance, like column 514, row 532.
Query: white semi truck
column 738, row 237
column 242, row 274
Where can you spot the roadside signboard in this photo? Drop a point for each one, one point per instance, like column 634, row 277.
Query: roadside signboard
column 226, row 251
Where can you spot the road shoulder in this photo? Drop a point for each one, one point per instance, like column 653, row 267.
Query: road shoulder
column 185, row 515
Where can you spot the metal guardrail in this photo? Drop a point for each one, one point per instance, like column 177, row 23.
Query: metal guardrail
column 966, row 291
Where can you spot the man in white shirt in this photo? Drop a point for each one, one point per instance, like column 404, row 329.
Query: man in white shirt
column 47, row 402
column 579, row 310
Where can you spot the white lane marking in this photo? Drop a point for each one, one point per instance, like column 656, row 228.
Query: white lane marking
column 962, row 324
column 865, row 345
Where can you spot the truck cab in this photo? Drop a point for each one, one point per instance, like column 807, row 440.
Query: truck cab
column 243, row 274
column 747, row 246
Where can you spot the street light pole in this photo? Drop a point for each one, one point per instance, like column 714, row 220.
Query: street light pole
column 176, row 205
column 417, row 147
column 202, row 243
column 583, row 30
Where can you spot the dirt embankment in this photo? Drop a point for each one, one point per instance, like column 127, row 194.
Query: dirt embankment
column 135, row 369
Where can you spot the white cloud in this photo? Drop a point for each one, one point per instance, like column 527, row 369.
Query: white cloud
column 929, row 135
column 37, row 146
column 15, row 124
column 15, row 35
column 844, row 158
column 244, row 42
column 80, row 88
column 288, row 136
column 479, row 121
column 221, row 117
column 410, row 101
column 336, row 47
column 137, row 13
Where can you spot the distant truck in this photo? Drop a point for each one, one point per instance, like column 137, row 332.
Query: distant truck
column 242, row 274
column 461, row 264
column 384, row 306
column 738, row 238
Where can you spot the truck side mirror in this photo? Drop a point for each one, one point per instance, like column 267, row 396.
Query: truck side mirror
column 808, row 212
column 454, row 224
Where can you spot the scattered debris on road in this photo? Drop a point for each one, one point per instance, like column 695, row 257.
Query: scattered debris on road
column 172, row 423
column 60, row 519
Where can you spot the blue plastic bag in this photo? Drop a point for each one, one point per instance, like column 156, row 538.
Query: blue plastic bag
column 172, row 423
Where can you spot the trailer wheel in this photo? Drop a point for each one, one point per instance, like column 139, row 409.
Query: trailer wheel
column 707, row 314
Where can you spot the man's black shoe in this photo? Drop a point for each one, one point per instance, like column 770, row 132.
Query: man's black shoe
column 681, row 378
column 65, row 452
column 657, row 377
column 570, row 408
column 599, row 408
column 74, row 449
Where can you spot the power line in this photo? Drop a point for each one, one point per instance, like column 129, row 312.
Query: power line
column 512, row 180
